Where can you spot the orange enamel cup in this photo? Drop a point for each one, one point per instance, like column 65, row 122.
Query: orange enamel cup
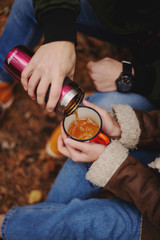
column 90, row 113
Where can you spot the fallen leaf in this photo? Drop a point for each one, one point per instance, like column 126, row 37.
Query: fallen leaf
column 34, row 196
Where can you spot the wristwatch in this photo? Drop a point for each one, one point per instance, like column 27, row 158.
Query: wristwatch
column 126, row 79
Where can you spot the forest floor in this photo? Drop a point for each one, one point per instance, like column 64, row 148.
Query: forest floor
column 26, row 170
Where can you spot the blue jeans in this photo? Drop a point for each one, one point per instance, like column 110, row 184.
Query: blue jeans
column 71, row 210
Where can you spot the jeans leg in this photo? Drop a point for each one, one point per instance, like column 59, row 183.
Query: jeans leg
column 90, row 219
column 21, row 28
column 71, row 183
column 107, row 99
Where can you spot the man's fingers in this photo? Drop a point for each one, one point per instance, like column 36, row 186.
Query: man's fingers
column 25, row 75
column 42, row 91
column 32, row 84
column 54, row 94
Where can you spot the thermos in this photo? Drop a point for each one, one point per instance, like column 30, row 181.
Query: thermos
column 71, row 94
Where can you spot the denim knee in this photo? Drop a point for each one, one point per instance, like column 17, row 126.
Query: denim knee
column 79, row 219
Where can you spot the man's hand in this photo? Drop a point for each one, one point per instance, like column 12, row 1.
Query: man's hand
column 50, row 64
column 104, row 74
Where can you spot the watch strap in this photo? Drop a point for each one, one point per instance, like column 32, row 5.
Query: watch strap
column 127, row 68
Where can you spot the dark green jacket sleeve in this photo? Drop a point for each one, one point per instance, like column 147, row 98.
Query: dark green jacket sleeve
column 147, row 81
column 57, row 18
column 145, row 48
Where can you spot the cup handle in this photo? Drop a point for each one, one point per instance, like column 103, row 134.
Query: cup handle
column 101, row 138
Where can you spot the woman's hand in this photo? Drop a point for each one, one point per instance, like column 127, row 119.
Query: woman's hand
column 109, row 126
column 79, row 151
column 88, row 151
column 104, row 74
column 50, row 64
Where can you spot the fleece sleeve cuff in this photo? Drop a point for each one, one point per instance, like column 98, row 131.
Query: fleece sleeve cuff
column 155, row 164
column 130, row 128
column 107, row 164
column 59, row 25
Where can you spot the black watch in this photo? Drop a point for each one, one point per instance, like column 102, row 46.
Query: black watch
column 126, row 80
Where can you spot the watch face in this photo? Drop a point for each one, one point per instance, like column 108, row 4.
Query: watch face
column 124, row 83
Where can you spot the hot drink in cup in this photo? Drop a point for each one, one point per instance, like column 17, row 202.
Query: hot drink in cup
column 85, row 125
